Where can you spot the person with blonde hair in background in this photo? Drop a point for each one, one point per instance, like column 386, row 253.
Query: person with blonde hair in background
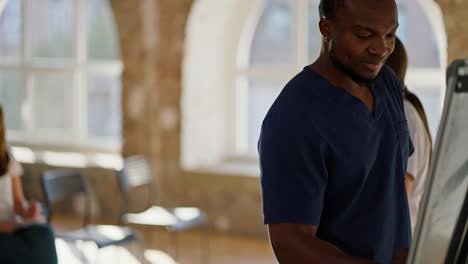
column 24, row 238
column 418, row 163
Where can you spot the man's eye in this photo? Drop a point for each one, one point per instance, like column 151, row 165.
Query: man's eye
column 390, row 36
column 363, row 36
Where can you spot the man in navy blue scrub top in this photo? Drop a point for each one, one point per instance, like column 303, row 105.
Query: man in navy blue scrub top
column 334, row 147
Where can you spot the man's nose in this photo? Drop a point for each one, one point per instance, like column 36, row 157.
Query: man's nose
column 379, row 47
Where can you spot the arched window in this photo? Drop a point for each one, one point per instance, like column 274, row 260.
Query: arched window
column 60, row 74
column 240, row 54
column 286, row 38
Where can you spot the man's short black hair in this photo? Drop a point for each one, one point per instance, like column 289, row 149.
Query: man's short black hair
column 327, row 8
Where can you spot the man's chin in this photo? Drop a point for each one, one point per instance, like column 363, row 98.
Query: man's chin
column 370, row 73
column 368, row 76
column 360, row 78
column 359, row 75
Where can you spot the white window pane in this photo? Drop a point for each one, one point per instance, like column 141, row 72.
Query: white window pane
column 10, row 98
column 315, row 37
column 402, row 30
column 101, row 29
column 53, row 28
column 273, row 40
column 432, row 106
column 261, row 95
column 417, row 35
column 104, row 111
column 10, row 30
column 52, row 101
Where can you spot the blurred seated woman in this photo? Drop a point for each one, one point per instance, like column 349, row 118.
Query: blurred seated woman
column 24, row 237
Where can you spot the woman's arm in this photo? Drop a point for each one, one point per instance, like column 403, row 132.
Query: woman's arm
column 30, row 211
column 18, row 196
column 409, row 179
column 7, row 226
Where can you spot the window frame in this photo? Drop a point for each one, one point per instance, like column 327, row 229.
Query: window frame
column 79, row 67
column 238, row 146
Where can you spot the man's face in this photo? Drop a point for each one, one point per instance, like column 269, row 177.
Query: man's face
column 362, row 37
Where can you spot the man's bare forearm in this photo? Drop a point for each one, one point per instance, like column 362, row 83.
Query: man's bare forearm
column 313, row 250
column 297, row 245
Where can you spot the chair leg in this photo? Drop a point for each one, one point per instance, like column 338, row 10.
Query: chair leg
column 204, row 247
column 81, row 245
column 173, row 242
column 118, row 255
column 138, row 251
column 77, row 250
column 96, row 255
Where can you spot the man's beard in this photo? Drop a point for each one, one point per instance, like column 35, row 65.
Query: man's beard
column 348, row 71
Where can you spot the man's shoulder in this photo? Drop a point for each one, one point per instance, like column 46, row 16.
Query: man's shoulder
column 299, row 93
column 388, row 76
column 307, row 77
column 294, row 109
column 390, row 82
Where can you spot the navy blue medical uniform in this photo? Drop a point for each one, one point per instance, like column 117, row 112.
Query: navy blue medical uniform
column 327, row 160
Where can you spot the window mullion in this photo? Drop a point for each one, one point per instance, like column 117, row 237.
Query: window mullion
column 27, row 93
column 238, row 110
column 26, row 32
column 301, row 33
column 242, row 114
column 34, row 69
column 79, row 93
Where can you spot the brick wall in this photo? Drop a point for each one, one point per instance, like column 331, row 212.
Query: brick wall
column 455, row 13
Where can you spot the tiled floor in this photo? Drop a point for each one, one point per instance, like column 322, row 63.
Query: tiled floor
column 223, row 249
column 218, row 249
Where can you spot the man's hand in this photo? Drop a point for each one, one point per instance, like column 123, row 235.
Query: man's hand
column 401, row 255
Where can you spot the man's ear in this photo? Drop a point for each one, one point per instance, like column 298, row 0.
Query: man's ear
column 325, row 29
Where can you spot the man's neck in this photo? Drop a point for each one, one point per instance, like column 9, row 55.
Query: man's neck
column 324, row 66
